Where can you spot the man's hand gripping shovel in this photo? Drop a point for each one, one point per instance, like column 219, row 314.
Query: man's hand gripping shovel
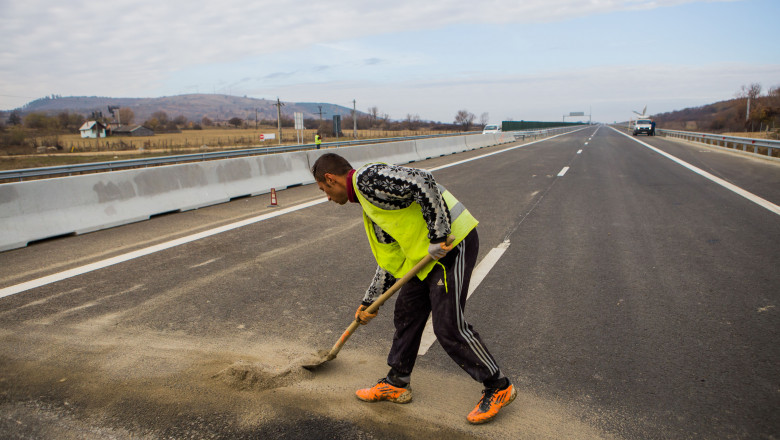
column 324, row 356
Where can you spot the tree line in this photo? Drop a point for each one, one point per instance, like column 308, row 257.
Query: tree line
column 19, row 130
column 749, row 111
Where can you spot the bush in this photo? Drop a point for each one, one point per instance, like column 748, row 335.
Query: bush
column 14, row 139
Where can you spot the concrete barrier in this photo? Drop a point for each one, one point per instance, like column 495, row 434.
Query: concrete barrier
column 435, row 147
column 475, row 141
column 397, row 153
column 40, row 209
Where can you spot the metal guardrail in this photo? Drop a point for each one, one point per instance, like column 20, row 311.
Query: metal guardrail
column 67, row 170
column 731, row 142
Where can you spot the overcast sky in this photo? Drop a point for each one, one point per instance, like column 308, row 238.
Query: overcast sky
column 519, row 60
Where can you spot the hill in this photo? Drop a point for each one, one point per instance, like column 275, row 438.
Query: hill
column 193, row 107
column 726, row 116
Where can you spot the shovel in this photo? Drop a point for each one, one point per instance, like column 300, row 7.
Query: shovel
column 324, row 356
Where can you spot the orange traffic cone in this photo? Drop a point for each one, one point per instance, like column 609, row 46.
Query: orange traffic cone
column 273, row 198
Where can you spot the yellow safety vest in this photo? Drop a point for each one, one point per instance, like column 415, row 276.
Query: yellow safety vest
column 407, row 226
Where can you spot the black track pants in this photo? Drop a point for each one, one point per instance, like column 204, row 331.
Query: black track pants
column 442, row 294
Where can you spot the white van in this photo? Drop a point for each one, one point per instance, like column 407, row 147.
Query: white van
column 644, row 126
column 491, row 128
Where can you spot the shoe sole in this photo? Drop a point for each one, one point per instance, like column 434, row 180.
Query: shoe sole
column 403, row 398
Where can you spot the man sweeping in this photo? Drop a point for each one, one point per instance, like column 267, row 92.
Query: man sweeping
column 408, row 216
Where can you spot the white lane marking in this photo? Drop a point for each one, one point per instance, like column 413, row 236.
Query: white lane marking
column 479, row 274
column 18, row 288
column 563, row 171
column 730, row 186
column 579, row 152
column 499, row 152
column 12, row 290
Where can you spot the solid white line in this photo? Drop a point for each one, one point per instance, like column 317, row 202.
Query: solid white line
column 563, row 171
column 730, row 186
column 149, row 250
column 18, row 288
column 499, row 152
column 479, row 274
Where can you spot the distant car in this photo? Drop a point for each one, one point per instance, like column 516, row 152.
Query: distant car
column 491, row 128
column 645, row 126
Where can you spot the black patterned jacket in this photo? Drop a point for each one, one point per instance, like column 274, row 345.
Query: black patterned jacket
column 396, row 187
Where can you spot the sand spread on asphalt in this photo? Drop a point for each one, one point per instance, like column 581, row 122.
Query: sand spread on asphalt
column 163, row 376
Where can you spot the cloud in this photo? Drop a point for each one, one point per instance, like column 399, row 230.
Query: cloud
column 276, row 75
column 134, row 47
column 610, row 92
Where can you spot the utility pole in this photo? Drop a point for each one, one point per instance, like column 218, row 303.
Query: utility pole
column 255, row 118
column 279, row 105
column 320, row 107
column 354, row 119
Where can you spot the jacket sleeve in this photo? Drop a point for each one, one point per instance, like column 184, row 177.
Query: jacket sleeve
column 382, row 281
column 382, row 278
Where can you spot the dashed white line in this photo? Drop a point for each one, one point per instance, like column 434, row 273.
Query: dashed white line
column 563, row 171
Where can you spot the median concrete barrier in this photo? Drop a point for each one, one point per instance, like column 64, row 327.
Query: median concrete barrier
column 435, row 147
column 475, row 141
column 396, row 153
column 36, row 210
column 41, row 209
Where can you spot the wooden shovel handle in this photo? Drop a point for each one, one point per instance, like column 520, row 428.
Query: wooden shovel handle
column 381, row 300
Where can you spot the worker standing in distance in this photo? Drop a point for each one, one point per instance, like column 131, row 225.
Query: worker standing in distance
column 317, row 140
column 407, row 216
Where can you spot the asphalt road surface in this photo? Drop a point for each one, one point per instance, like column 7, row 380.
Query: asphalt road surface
column 634, row 299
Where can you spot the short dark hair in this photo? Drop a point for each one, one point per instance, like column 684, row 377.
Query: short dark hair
column 330, row 163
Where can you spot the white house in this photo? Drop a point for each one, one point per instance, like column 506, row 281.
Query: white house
column 93, row 129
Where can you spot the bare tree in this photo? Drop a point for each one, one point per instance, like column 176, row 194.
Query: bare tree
column 752, row 91
column 180, row 121
column 412, row 122
column 484, row 118
column 373, row 113
column 464, row 118
column 126, row 116
column 161, row 117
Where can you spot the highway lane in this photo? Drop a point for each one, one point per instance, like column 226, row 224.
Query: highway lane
column 636, row 299
column 646, row 287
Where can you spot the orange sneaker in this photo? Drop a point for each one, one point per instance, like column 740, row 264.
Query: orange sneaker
column 492, row 400
column 383, row 390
